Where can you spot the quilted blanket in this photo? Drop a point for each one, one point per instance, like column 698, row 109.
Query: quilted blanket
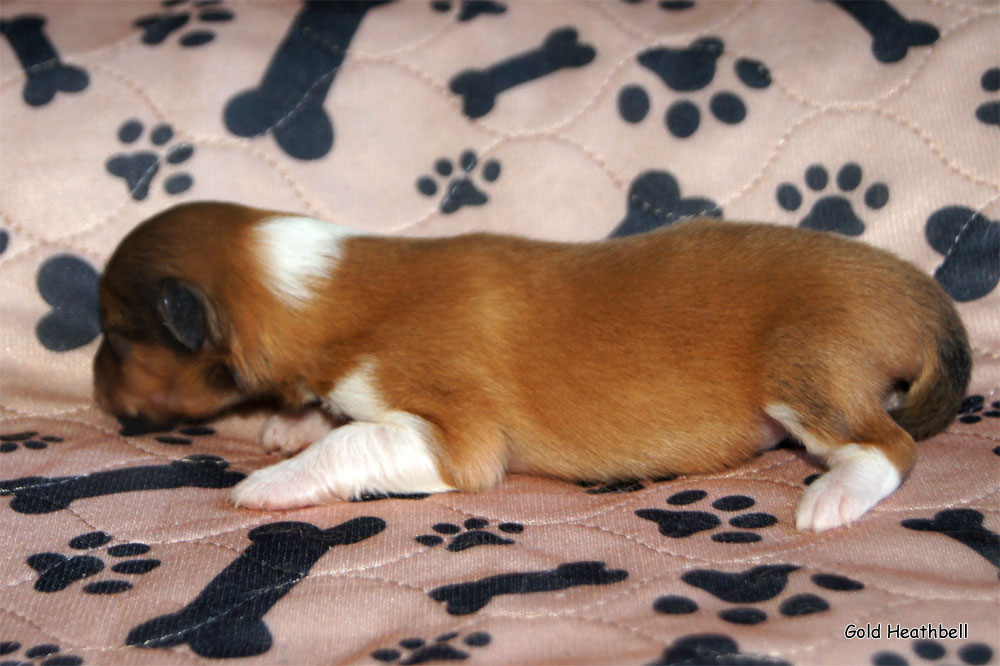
column 560, row 120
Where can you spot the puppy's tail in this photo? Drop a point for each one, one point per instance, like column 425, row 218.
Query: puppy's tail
column 933, row 398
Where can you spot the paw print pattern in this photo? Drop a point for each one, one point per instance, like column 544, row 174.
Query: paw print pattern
column 421, row 652
column 470, row 8
column 56, row 572
column 132, row 427
column 4, row 240
column 654, row 200
column 933, row 651
column 972, row 409
column 754, row 586
column 475, row 534
column 989, row 112
column 138, row 169
column 460, row 191
column 833, row 212
column 158, row 27
column 688, row 70
column 712, row 649
column 623, row 486
column 30, row 440
column 48, row 653
column 69, row 284
column 682, row 524
column 970, row 245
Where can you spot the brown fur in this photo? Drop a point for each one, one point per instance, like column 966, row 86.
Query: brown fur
column 633, row 357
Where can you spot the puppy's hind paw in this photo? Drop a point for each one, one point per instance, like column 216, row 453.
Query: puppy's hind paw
column 287, row 485
column 290, row 433
column 858, row 479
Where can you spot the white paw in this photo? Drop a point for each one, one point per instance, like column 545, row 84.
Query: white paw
column 289, row 434
column 858, row 479
column 287, row 485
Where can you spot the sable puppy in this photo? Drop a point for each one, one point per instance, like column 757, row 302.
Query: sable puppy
column 685, row 350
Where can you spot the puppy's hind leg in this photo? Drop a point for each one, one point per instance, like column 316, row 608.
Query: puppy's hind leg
column 863, row 468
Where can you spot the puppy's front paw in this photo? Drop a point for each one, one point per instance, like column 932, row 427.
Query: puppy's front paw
column 854, row 484
column 288, row 485
column 290, row 433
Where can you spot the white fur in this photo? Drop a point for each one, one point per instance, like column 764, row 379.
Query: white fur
column 290, row 433
column 859, row 477
column 356, row 395
column 296, row 251
column 383, row 451
column 787, row 417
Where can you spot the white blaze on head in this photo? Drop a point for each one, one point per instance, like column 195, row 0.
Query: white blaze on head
column 297, row 251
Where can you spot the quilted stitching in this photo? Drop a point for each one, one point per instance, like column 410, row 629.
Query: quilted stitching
column 860, row 118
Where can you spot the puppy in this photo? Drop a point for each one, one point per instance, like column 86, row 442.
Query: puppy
column 682, row 351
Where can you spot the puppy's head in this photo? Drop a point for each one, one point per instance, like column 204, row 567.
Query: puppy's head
column 166, row 352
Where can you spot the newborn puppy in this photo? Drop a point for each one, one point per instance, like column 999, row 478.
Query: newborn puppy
column 682, row 351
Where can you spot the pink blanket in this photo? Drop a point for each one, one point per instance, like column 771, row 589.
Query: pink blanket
column 569, row 120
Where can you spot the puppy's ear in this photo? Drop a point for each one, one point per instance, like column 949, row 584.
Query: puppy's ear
column 183, row 313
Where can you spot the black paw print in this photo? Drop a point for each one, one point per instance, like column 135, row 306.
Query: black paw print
column 139, row 168
column 681, row 524
column 989, row 112
column 441, row 649
column 970, row 244
column 4, row 240
column 160, row 26
column 754, row 586
column 475, row 534
column 48, row 653
column 833, row 212
column 688, row 70
column 29, row 440
column 928, row 650
column 971, row 409
column 712, row 649
column 623, row 486
column 461, row 191
column 69, row 284
column 132, row 427
column 470, row 8
column 56, row 572
column 654, row 200
column 376, row 497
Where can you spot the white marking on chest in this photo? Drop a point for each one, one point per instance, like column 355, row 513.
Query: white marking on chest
column 296, row 252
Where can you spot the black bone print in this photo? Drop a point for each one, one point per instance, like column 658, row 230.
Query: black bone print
column 964, row 526
column 479, row 88
column 289, row 99
column 466, row 598
column 47, row 74
column 40, row 494
column 227, row 617
column 892, row 34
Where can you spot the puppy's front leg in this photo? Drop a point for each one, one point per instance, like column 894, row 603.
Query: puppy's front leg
column 357, row 458
column 291, row 432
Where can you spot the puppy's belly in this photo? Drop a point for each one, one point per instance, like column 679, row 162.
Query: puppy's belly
column 611, row 456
